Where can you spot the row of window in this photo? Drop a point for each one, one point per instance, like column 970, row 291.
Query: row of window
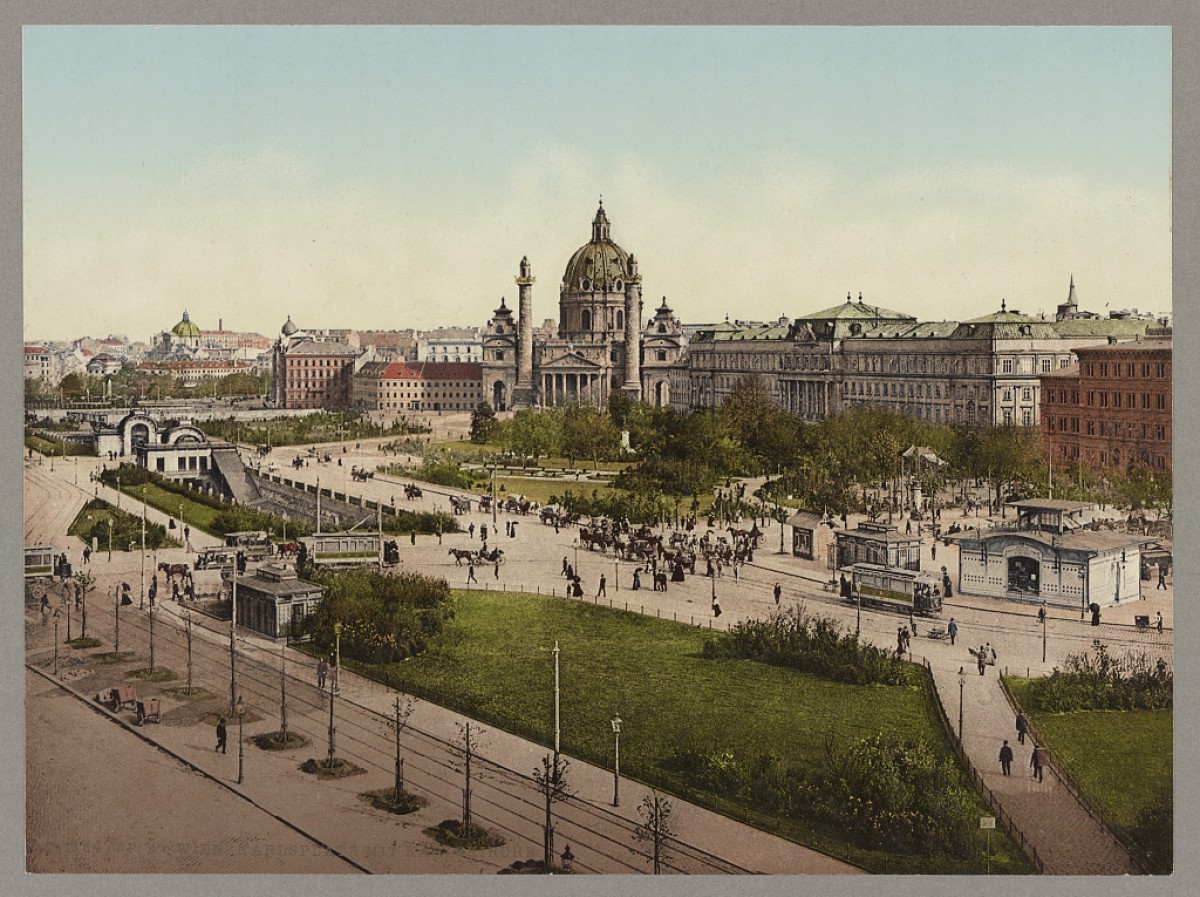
column 1070, row 452
column 1129, row 400
column 1148, row 369
column 1116, row 429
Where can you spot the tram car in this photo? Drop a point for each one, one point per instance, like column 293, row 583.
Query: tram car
column 39, row 560
column 895, row 588
column 255, row 543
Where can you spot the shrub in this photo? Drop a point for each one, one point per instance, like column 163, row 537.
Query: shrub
column 384, row 618
column 793, row 638
column 1101, row 681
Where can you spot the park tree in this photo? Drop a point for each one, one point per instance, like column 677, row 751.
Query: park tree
column 588, row 433
column 551, row 780
column 530, row 434
column 1144, row 487
column 1002, row 456
column 656, row 825
column 483, row 423
column 620, row 406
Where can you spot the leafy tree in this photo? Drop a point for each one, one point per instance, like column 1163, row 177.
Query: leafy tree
column 588, row 433
column 483, row 423
column 530, row 434
column 620, row 407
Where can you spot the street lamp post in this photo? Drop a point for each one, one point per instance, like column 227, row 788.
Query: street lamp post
column 616, row 727
column 337, row 657
column 241, row 715
column 962, row 682
column 110, row 532
column 117, row 619
column 118, row 493
column 142, row 589
column 575, row 543
column 56, row 642
column 1044, row 616
column 233, row 635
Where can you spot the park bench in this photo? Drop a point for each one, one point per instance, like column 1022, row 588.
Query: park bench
column 149, row 710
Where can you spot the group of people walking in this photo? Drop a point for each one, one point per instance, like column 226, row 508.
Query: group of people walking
column 1037, row 756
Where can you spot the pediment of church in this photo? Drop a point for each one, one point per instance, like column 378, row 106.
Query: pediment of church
column 570, row 361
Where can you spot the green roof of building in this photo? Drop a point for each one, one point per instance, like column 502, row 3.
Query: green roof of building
column 856, row 311
column 186, row 329
column 1118, row 327
column 598, row 264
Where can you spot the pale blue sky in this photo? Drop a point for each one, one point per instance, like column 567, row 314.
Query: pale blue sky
column 394, row 176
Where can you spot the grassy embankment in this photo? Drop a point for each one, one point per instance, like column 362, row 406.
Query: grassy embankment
column 1122, row 760
column 494, row 663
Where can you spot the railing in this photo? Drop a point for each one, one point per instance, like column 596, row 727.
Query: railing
column 1136, row 853
column 1004, row 818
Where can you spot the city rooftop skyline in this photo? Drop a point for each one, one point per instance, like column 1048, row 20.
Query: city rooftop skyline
column 392, row 177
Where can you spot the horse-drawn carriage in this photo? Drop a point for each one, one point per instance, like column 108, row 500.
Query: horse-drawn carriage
column 460, row 504
column 476, row 558
column 361, row 474
column 412, row 491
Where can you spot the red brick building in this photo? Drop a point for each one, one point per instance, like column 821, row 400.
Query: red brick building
column 311, row 370
column 1113, row 408
column 398, row 386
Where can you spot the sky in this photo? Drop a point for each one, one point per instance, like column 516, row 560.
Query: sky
column 393, row 176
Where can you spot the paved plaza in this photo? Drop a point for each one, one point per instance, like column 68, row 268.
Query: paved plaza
column 1068, row 839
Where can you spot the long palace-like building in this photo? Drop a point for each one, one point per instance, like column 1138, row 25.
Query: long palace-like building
column 981, row 372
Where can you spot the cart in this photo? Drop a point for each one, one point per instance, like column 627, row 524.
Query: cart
column 149, row 710
column 122, row 697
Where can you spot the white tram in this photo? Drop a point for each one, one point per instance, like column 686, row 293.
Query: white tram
column 895, row 588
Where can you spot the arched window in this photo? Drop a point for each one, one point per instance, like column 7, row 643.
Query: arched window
column 587, row 319
column 620, row 318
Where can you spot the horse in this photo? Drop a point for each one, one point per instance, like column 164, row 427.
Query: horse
column 461, row 555
column 173, row 570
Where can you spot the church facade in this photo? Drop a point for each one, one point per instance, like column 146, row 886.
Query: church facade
column 602, row 345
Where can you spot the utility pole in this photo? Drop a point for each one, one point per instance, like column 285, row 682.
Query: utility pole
column 152, row 639
column 142, row 589
column 283, row 692
column 318, row 504
column 557, row 728
column 117, row 619
column 233, row 635
column 187, row 628
column 329, row 761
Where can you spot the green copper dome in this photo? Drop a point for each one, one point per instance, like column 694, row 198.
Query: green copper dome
column 599, row 264
column 185, row 329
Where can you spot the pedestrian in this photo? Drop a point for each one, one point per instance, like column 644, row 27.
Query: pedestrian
column 1162, row 578
column 912, row 621
column 471, row 531
column 933, row 551
column 556, row 526
column 982, row 659
column 637, row 579
column 322, row 672
column 570, row 572
column 1022, row 726
column 1035, row 763
column 952, row 631
column 187, row 534
column 1041, row 616
column 577, row 588
column 946, row 587
column 471, row 574
column 1159, row 624
column 778, row 593
column 900, row 640
column 87, row 554
column 991, row 654
column 600, row 593
column 497, row 569
column 220, row 735
column 1006, row 758
column 716, row 607
column 483, row 533
column 45, row 606
column 513, row 533
column 413, row 537
column 564, row 566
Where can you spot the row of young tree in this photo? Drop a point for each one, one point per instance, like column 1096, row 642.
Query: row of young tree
column 129, row 384
column 823, row 465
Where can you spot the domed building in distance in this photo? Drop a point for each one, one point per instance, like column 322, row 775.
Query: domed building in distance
column 600, row 318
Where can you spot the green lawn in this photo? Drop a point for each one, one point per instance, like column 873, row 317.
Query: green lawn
column 1121, row 759
column 495, row 663
column 126, row 529
column 194, row 513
